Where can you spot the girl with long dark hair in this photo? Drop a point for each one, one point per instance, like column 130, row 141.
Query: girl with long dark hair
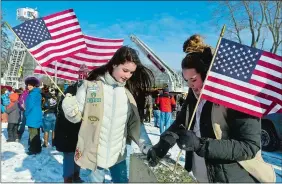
column 106, row 104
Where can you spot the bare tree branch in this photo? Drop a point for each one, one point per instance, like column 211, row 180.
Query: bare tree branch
column 258, row 17
column 234, row 21
column 273, row 22
column 260, row 26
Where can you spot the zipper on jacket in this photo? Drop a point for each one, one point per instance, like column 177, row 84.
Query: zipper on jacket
column 109, row 135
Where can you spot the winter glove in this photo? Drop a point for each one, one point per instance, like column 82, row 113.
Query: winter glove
column 167, row 140
column 155, row 153
column 70, row 108
column 188, row 141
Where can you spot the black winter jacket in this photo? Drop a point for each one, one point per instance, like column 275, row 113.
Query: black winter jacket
column 50, row 103
column 66, row 133
column 221, row 156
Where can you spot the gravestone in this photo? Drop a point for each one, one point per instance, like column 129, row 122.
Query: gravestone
column 141, row 172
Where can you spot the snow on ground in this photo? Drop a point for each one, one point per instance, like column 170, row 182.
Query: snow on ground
column 17, row 166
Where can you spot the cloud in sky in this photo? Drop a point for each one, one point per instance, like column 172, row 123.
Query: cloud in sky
column 163, row 33
column 163, row 26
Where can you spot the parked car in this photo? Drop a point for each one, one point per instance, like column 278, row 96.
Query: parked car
column 271, row 133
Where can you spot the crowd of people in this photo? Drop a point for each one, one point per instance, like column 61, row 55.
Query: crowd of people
column 163, row 106
column 98, row 118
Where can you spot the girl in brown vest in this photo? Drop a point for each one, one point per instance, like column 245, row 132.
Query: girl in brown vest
column 106, row 104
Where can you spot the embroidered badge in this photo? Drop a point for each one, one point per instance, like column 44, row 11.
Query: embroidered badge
column 93, row 118
column 77, row 154
column 93, row 94
column 94, row 88
column 93, row 100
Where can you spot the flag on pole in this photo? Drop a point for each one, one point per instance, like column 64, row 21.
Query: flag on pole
column 99, row 52
column 52, row 37
column 245, row 79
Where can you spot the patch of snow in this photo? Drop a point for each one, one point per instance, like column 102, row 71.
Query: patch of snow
column 17, row 166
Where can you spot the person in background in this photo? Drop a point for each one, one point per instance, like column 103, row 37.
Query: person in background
column 5, row 93
column 13, row 112
column 4, row 115
column 140, row 101
column 166, row 104
column 148, row 107
column 3, row 108
column 22, row 100
column 66, row 85
column 33, row 113
column 156, row 112
column 49, row 115
column 5, row 101
column 66, row 136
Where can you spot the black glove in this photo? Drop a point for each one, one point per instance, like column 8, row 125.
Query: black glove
column 167, row 140
column 152, row 157
column 188, row 141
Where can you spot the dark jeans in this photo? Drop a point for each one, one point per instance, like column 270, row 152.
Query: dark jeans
column 22, row 125
column 12, row 131
column 34, row 140
column 69, row 166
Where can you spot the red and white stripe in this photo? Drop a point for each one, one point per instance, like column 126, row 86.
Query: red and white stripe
column 67, row 38
column 262, row 95
column 99, row 52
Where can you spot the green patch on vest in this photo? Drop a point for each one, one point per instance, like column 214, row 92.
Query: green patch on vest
column 93, row 94
column 93, row 100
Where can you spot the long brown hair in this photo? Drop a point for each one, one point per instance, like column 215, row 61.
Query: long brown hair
column 141, row 80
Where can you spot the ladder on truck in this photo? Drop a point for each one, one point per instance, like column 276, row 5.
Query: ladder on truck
column 13, row 74
column 175, row 81
column 18, row 52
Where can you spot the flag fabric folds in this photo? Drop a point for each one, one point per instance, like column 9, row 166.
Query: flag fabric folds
column 99, row 52
column 52, row 37
column 245, row 79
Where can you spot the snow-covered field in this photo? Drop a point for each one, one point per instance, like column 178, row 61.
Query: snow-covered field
column 17, row 166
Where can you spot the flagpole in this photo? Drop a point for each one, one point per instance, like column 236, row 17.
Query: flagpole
column 36, row 60
column 199, row 99
column 56, row 70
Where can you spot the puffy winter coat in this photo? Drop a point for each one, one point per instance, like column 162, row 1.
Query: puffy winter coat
column 166, row 103
column 33, row 111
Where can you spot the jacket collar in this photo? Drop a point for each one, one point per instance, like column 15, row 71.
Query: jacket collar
column 108, row 79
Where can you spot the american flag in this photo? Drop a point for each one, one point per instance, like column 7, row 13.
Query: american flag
column 52, row 37
column 99, row 52
column 245, row 79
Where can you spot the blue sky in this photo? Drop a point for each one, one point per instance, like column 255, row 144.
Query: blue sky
column 162, row 25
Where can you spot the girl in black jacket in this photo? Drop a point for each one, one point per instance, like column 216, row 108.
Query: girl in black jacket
column 210, row 159
column 65, row 141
